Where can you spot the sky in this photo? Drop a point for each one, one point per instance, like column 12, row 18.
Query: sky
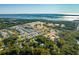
column 38, row 8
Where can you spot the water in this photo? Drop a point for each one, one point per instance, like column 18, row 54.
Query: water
column 38, row 16
column 31, row 15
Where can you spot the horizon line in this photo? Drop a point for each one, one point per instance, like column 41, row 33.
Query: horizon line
column 47, row 13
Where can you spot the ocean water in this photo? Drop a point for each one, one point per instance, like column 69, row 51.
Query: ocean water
column 38, row 16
